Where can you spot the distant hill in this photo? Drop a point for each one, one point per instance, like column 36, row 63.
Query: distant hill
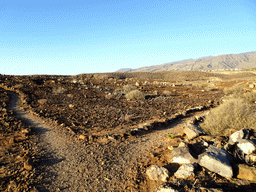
column 220, row 62
column 124, row 70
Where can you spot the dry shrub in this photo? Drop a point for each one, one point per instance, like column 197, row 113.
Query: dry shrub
column 249, row 97
column 128, row 88
column 167, row 92
column 135, row 95
column 234, row 113
column 58, row 90
column 235, row 90
column 238, row 92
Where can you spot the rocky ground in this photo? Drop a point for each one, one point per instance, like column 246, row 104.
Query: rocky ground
column 87, row 136
column 18, row 150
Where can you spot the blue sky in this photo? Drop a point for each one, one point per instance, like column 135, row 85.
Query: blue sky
column 89, row 36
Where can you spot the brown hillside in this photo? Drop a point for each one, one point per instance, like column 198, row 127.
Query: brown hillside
column 229, row 61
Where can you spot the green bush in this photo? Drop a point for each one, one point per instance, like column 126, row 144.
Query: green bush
column 171, row 136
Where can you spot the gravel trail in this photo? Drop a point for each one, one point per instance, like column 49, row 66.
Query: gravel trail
column 71, row 165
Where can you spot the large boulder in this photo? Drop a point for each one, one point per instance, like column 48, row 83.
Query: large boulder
column 216, row 160
column 157, row 173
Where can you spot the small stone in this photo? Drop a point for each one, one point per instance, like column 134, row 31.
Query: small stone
column 90, row 138
column 157, row 173
column 137, row 84
column 147, row 125
column 42, row 101
column 193, row 131
column 182, row 144
column 27, row 165
column 246, row 172
column 170, row 148
column 182, row 155
column 246, row 146
column 184, row 171
column 11, row 140
column 34, row 190
column 251, row 158
column 241, row 134
column 112, row 137
column 251, row 86
column 82, row 137
column 167, row 189
column 25, row 131
column 71, row 106
column 210, row 189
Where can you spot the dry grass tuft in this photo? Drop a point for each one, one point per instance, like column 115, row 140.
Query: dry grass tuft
column 167, row 93
column 128, row 88
column 238, row 92
column 235, row 90
column 135, row 95
column 58, row 90
column 236, row 112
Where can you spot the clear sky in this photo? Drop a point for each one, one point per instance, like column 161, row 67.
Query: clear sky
column 68, row 37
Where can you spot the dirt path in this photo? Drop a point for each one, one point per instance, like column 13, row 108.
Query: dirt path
column 70, row 165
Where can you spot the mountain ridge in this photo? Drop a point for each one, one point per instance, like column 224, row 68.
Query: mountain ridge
column 220, row 62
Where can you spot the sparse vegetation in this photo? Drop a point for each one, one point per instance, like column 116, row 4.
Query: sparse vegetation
column 58, row 90
column 236, row 112
column 235, row 90
column 135, row 95
column 170, row 136
column 128, row 88
column 167, row 93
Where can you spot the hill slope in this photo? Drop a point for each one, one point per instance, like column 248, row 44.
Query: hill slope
column 229, row 61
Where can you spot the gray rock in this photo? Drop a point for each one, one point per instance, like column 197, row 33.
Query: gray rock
column 184, row 171
column 246, row 146
column 193, row 131
column 216, row 160
column 241, row 134
column 157, row 173
column 182, row 155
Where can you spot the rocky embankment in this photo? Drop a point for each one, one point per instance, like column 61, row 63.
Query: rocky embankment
column 206, row 163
